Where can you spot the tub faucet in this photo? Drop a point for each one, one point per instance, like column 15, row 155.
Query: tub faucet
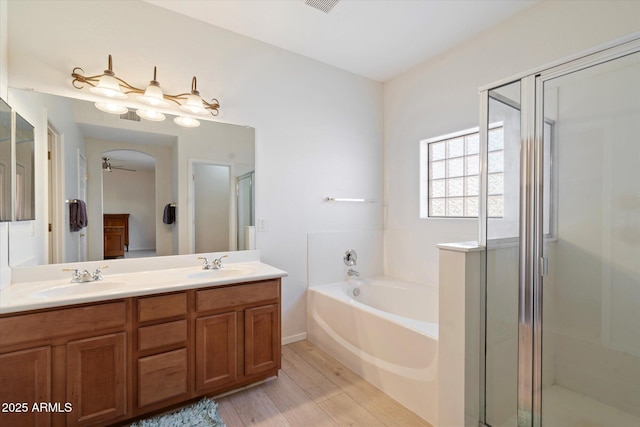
column 215, row 264
column 352, row 272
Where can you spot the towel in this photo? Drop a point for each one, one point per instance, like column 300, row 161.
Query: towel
column 169, row 216
column 77, row 215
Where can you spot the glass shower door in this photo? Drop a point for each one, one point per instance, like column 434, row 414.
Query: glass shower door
column 501, row 155
column 591, row 246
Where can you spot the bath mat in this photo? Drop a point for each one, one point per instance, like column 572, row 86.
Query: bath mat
column 201, row 414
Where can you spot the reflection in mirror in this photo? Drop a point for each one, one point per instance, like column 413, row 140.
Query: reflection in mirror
column 87, row 135
column 211, row 207
column 246, row 218
column 5, row 161
column 25, row 170
column 128, row 200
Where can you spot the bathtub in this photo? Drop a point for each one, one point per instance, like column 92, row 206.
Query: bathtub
column 384, row 329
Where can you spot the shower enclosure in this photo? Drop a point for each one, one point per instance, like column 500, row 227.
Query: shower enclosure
column 561, row 226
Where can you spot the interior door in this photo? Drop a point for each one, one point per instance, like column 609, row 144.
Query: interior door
column 211, row 207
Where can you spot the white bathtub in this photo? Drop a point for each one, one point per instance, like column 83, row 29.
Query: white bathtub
column 387, row 333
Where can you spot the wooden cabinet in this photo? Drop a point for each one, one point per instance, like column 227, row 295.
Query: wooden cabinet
column 162, row 377
column 96, row 379
column 70, row 362
column 113, row 242
column 106, row 363
column 261, row 339
column 116, row 234
column 25, row 380
column 237, row 334
column 216, row 351
column 162, row 351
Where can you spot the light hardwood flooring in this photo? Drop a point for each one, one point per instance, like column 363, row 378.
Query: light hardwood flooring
column 313, row 389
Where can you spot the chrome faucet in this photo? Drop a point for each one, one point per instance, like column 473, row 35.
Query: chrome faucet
column 350, row 259
column 215, row 264
column 85, row 276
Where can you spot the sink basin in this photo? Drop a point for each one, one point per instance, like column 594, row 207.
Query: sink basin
column 220, row 274
column 78, row 289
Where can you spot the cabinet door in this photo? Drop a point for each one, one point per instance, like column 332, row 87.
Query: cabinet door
column 96, row 379
column 25, row 378
column 113, row 241
column 261, row 339
column 216, row 351
column 162, row 377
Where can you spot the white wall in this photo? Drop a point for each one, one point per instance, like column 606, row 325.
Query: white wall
column 318, row 129
column 26, row 247
column 441, row 96
column 133, row 193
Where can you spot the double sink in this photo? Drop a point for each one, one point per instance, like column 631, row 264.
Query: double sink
column 116, row 283
column 50, row 293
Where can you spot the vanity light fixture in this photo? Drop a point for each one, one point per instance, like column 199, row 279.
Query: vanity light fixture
column 117, row 89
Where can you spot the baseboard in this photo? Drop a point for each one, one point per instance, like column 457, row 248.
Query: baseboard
column 294, row 338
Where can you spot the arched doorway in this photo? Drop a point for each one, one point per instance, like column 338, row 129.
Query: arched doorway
column 129, row 204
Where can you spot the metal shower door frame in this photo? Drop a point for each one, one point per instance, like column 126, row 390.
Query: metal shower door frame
column 531, row 261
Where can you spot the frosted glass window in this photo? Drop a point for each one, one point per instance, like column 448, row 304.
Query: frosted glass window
column 495, row 184
column 472, row 186
column 455, row 147
column 453, row 177
column 455, row 167
column 473, row 165
column 437, row 170
column 473, row 143
column 471, row 206
column 438, row 207
column 437, row 151
column 455, row 187
column 455, row 206
column 495, row 161
column 438, row 188
column 495, row 206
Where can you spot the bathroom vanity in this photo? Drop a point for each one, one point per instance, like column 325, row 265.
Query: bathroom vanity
column 117, row 358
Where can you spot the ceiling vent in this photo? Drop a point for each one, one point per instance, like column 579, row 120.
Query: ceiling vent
column 324, row 5
column 130, row 115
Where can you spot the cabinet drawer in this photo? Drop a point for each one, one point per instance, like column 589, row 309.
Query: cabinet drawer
column 61, row 322
column 162, row 376
column 150, row 337
column 162, row 307
column 214, row 299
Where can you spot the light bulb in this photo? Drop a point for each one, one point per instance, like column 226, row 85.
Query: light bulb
column 152, row 115
column 194, row 105
column 108, row 86
column 111, row 107
column 153, row 96
column 188, row 122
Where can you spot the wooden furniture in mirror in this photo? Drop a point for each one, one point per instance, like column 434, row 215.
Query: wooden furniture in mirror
column 116, row 235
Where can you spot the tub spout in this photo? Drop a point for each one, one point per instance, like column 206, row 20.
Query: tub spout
column 352, row 272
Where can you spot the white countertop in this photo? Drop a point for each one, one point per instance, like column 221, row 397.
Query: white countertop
column 58, row 292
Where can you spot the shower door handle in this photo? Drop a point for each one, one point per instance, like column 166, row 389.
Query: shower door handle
column 544, row 266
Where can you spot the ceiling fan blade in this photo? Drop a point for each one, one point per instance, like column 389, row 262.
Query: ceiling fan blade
column 123, row 168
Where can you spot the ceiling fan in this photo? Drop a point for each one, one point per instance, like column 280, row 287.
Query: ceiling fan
column 106, row 166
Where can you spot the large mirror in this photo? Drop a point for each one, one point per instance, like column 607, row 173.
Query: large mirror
column 5, row 161
column 118, row 186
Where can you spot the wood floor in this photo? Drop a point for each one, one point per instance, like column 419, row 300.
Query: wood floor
column 313, row 389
